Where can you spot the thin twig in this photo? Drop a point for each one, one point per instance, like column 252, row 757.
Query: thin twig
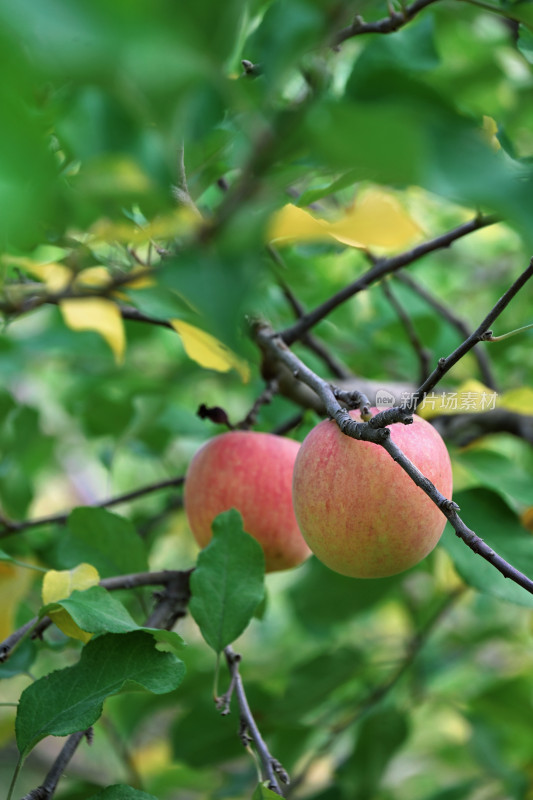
column 289, row 425
column 461, row 429
column 7, row 646
column 47, row 789
column 374, row 431
column 393, row 22
column 274, row 772
column 422, row 353
column 9, row 527
column 382, row 267
column 482, row 333
column 133, row 314
column 337, row 369
column 271, row 389
column 460, row 325
column 41, row 297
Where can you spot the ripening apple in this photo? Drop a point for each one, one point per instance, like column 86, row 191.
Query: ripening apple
column 359, row 512
column 251, row 472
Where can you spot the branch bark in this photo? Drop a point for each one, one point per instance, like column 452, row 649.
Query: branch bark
column 393, row 22
column 249, row 732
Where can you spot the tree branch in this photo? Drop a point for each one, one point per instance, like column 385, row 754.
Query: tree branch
column 172, row 602
column 133, row 314
column 382, row 267
column 461, row 429
column 267, row 395
column 422, row 353
column 249, row 732
column 482, row 333
column 47, row 789
column 311, row 342
column 9, row 527
column 376, row 432
column 461, row 326
column 393, row 22
column 41, row 297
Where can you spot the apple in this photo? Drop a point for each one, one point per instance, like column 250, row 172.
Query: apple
column 251, row 472
column 359, row 511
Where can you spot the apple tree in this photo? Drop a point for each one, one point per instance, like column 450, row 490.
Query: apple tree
column 246, row 218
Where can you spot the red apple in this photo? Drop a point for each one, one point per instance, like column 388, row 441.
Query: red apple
column 359, row 512
column 251, row 472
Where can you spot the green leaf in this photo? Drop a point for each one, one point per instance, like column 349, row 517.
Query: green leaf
column 108, row 542
column 227, row 584
column 201, row 737
column 411, row 49
column 71, row 699
column 288, row 29
column 456, row 792
column 381, row 734
column 20, row 660
column 525, row 44
column 500, row 473
column 313, row 682
column 488, row 516
column 121, row 792
column 262, row 792
column 380, row 142
column 159, row 302
column 105, row 415
column 97, row 611
column 323, row 598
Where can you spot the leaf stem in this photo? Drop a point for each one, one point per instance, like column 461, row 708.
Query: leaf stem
column 14, row 778
column 502, row 336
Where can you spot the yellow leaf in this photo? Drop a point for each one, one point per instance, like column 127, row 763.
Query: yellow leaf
column 58, row 585
column 526, row 518
column 469, row 398
column 15, row 582
column 93, row 276
column 377, row 219
column 151, row 758
column 490, row 130
column 55, row 276
column 142, row 282
column 178, row 222
column 519, row 400
column 97, row 314
column 293, row 224
column 208, row 351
